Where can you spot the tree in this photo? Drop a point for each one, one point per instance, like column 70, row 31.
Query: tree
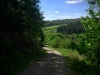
column 22, row 17
column 21, row 35
column 90, row 40
column 71, row 28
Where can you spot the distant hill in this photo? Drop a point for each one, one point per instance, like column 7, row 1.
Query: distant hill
column 60, row 22
column 65, row 26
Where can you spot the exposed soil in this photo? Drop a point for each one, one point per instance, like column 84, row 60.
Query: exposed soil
column 52, row 64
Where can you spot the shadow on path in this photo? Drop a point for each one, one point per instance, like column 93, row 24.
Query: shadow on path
column 52, row 64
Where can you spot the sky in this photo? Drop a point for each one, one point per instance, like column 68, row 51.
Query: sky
column 63, row 9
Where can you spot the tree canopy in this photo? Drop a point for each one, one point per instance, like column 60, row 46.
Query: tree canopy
column 71, row 28
column 21, row 33
column 60, row 22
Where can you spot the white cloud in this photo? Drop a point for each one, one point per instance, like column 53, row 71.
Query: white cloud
column 56, row 12
column 77, row 14
column 67, row 17
column 51, row 15
column 73, row 1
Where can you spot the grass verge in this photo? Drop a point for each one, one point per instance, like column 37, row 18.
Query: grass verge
column 77, row 63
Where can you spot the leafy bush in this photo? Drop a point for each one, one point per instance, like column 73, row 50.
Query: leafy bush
column 50, row 37
column 56, row 42
column 65, row 42
column 72, row 45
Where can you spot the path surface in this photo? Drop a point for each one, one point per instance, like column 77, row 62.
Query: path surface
column 52, row 64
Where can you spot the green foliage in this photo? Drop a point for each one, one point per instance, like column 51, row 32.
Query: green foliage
column 78, row 54
column 17, row 52
column 50, row 37
column 22, row 16
column 21, row 35
column 72, row 45
column 61, row 22
column 90, row 40
column 18, row 62
column 77, row 63
column 55, row 42
column 71, row 28
column 50, row 29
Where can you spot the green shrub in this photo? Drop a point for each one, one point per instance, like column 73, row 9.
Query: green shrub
column 56, row 42
column 72, row 45
column 64, row 43
column 50, row 37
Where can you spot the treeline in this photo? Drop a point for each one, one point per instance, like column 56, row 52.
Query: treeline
column 61, row 22
column 21, row 35
column 71, row 28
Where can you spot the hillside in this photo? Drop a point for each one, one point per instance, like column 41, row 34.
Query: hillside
column 51, row 29
column 21, row 35
column 60, row 22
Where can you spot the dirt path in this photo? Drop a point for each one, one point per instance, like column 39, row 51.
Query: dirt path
column 52, row 64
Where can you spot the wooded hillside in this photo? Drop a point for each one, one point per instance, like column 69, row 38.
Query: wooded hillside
column 21, row 33
column 71, row 28
column 60, row 22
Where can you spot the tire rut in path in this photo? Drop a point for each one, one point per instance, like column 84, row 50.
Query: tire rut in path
column 52, row 64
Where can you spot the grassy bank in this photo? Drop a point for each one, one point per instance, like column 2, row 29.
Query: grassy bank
column 77, row 63
column 20, row 63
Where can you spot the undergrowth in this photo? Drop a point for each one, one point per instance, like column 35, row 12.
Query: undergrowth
column 78, row 62
column 19, row 62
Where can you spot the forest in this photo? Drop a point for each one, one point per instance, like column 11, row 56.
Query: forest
column 23, row 33
column 60, row 22
column 71, row 28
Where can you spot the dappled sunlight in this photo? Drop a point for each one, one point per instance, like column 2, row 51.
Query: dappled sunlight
column 52, row 64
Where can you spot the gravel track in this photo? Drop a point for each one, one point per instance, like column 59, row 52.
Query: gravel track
column 52, row 64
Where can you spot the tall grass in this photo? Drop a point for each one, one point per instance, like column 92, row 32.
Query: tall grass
column 77, row 62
